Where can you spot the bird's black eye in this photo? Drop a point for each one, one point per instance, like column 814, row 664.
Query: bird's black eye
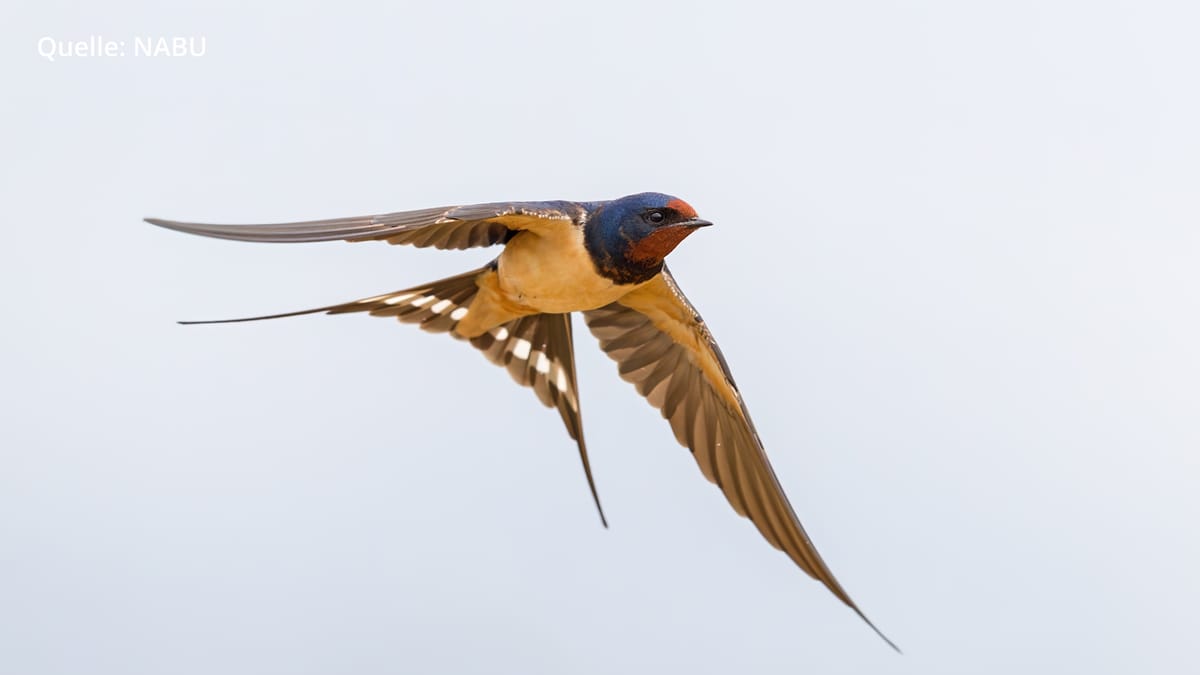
column 655, row 217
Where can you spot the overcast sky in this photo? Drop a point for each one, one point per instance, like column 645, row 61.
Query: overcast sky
column 955, row 271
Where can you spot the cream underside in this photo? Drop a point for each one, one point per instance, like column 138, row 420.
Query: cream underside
column 552, row 272
column 546, row 271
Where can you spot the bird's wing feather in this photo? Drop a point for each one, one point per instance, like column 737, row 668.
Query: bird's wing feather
column 663, row 347
column 452, row 227
column 537, row 350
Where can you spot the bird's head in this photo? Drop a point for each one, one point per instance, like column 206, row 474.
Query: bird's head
column 630, row 237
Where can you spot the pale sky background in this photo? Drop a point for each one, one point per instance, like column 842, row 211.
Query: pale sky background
column 955, row 271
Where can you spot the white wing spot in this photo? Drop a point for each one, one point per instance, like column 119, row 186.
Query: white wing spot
column 395, row 300
column 521, row 348
column 561, row 381
column 458, row 313
column 501, row 333
column 440, row 306
column 422, row 301
column 542, row 365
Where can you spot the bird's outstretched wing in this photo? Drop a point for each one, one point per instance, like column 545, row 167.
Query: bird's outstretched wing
column 537, row 350
column 662, row 346
column 455, row 227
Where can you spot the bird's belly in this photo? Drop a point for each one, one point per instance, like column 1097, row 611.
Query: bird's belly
column 554, row 274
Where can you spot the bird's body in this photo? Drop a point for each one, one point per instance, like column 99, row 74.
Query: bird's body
column 606, row 260
column 546, row 272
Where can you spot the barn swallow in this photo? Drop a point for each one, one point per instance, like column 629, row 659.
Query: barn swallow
column 606, row 260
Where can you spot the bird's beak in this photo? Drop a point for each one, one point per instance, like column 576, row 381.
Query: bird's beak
column 695, row 222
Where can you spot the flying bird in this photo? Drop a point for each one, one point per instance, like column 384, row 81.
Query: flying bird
column 606, row 260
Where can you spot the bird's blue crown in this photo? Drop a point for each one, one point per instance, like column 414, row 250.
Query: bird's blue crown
column 629, row 238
